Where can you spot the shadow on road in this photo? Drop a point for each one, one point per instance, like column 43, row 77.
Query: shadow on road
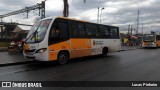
column 151, row 48
column 48, row 64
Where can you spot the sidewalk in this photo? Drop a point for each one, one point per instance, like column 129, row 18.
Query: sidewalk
column 3, row 49
column 126, row 48
column 11, row 58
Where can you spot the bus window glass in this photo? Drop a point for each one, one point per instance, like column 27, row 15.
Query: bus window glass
column 74, row 30
column 114, row 32
column 104, row 32
column 58, row 32
column 63, row 30
column 81, row 30
column 150, row 38
column 158, row 37
column 38, row 31
column 91, row 30
column 77, row 29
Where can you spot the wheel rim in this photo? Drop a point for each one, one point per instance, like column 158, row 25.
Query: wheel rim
column 63, row 59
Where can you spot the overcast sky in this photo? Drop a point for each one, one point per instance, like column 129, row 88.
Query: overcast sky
column 117, row 12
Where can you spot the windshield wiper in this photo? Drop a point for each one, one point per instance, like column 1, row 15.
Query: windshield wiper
column 33, row 33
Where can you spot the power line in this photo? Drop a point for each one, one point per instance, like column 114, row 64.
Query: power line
column 40, row 7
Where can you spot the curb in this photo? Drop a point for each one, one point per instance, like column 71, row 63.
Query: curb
column 3, row 49
column 16, row 63
column 130, row 49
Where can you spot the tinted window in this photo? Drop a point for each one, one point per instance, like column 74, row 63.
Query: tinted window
column 114, row 33
column 58, row 32
column 104, row 31
column 91, row 30
column 74, row 30
column 63, row 30
column 77, row 29
column 158, row 37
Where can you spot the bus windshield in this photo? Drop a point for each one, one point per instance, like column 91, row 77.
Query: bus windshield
column 38, row 31
column 150, row 38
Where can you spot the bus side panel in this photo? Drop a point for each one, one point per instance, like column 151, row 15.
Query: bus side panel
column 55, row 48
column 158, row 43
column 113, row 45
column 97, row 46
column 80, row 47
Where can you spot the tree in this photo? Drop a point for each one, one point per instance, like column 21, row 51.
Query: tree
column 66, row 8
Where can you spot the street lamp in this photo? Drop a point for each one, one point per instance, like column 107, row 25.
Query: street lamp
column 142, row 28
column 151, row 28
column 101, row 14
column 98, row 16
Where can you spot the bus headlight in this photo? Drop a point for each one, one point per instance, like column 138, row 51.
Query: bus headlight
column 153, row 43
column 41, row 50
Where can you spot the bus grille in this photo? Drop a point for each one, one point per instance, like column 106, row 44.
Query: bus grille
column 30, row 50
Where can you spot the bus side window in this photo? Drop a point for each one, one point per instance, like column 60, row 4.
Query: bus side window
column 91, row 30
column 114, row 32
column 157, row 37
column 81, row 30
column 77, row 29
column 74, row 29
column 62, row 30
column 59, row 32
column 104, row 31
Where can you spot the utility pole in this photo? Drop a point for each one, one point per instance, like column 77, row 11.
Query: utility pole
column 128, row 29
column 137, row 22
column 151, row 28
column 101, row 14
column 43, row 10
column 40, row 7
column 131, row 29
column 98, row 16
column 142, row 28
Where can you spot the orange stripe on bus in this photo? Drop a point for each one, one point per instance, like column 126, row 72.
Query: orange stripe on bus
column 76, row 47
column 81, row 53
column 54, row 48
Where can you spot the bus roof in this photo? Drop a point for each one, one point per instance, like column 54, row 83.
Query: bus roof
column 73, row 19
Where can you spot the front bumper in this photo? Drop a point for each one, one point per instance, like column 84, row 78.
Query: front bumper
column 153, row 45
column 36, row 56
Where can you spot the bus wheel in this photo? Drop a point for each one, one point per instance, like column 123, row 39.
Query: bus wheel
column 104, row 51
column 62, row 58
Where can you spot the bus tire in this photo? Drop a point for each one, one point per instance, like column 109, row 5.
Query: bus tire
column 62, row 58
column 105, row 51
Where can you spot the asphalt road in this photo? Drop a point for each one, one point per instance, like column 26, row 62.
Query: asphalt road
column 133, row 65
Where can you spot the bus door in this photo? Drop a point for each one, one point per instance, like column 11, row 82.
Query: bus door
column 80, row 44
column 58, row 39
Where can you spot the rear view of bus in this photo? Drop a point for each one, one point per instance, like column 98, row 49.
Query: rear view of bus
column 64, row 38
